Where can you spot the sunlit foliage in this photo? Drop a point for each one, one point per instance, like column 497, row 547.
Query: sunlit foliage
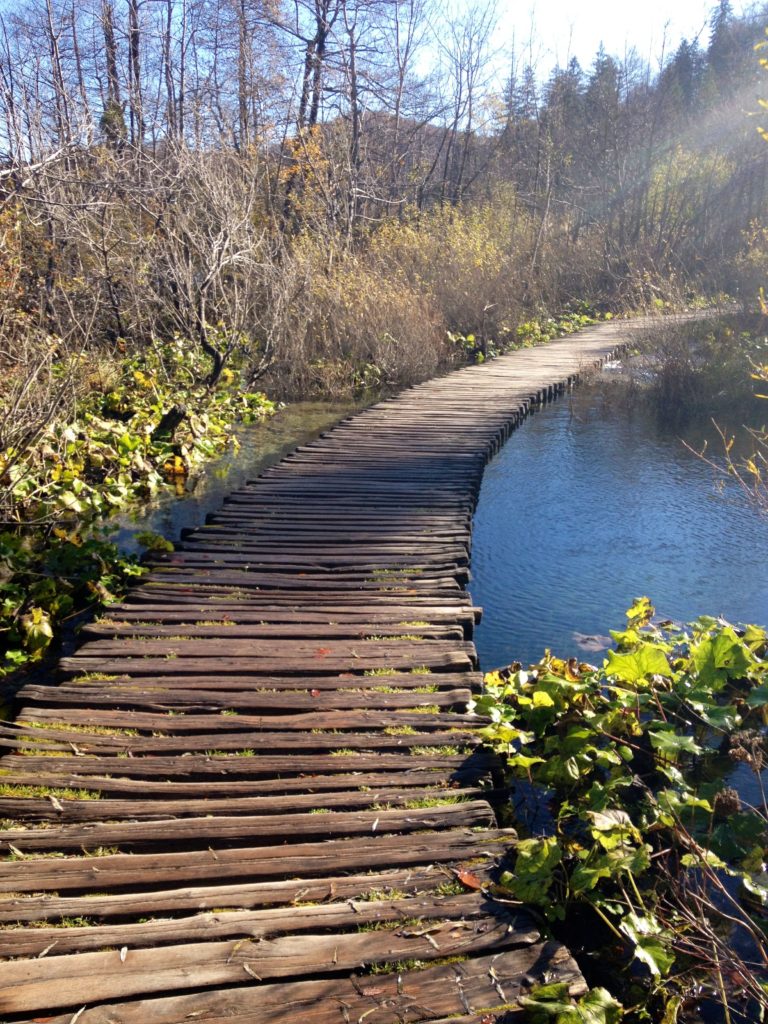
column 631, row 766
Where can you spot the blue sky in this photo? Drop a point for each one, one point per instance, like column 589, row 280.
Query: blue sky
column 566, row 28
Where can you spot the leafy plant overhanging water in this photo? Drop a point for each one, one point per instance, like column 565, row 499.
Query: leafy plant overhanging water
column 644, row 853
column 142, row 422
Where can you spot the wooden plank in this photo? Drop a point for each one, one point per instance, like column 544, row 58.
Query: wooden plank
column 228, row 695
column 223, row 596
column 404, row 583
column 183, row 723
column 414, row 678
column 68, row 810
column 60, row 980
column 361, row 517
column 201, row 831
column 485, row 984
column 258, row 613
column 257, row 925
column 288, row 860
column 309, row 534
column 347, row 551
column 233, row 647
column 326, row 567
column 212, row 787
column 306, row 664
column 294, row 893
column 40, row 741
column 238, row 631
column 245, row 766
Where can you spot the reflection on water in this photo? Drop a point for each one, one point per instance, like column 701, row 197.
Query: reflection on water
column 588, row 507
column 261, row 446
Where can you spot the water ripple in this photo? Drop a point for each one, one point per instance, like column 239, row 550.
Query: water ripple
column 585, row 509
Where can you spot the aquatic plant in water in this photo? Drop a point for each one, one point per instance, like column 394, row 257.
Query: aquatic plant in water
column 646, row 846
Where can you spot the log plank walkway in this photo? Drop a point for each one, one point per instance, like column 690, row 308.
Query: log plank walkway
column 255, row 795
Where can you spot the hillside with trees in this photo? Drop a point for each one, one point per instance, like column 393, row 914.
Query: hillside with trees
column 329, row 186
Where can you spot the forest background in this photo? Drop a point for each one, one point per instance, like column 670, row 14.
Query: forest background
column 339, row 189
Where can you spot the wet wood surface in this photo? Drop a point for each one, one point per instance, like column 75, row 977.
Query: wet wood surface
column 254, row 793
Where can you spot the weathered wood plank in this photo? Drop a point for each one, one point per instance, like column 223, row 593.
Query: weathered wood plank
column 201, row 831
column 245, row 766
column 404, row 584
column 303, row 630
column 183, row 723
column 231, row 647
column 313, row 556
column 289, row 860
column 477, row 986
column 214, row 786
column 258, row 925
column 229, row 696
column 223, row 596
column 300, row 653
column 61, row 980
column 414, row 678
column 296, row 893
column 105, row 810
column 262, row 612
column 306, row 664
column 40, row 741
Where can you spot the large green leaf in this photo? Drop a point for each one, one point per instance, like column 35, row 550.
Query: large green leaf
column 641, row 612
column 754, row 636
column 599, row 1007
column 735, row 838
column 648, row 660
column 758, row 696
column 652, row 945
column 37, row 629
column 757, row 887
column 586, row 876
column 551, row 1003
column 537, row 860
column 606, row 821
column 670, row 744
column 718, row 658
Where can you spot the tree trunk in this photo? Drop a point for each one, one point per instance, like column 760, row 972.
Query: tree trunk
column 134, row 74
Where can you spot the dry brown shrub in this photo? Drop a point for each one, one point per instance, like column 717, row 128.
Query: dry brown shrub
column 340, row 323
column 471, row 262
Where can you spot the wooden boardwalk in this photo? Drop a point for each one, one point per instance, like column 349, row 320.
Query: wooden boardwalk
column 255, row 795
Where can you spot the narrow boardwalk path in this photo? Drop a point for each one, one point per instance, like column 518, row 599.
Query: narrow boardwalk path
column 255, row 796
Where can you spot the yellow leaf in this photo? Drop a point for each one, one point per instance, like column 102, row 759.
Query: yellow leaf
column 541, row 699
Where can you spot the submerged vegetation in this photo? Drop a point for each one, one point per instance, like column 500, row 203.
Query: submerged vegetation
column 748, row 471
column 642, row 852
column 712, row 371
column 702, row 370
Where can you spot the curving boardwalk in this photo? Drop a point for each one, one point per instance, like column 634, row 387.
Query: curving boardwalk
column 255, row 797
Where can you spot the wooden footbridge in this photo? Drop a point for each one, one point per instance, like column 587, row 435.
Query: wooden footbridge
column 255, row 795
